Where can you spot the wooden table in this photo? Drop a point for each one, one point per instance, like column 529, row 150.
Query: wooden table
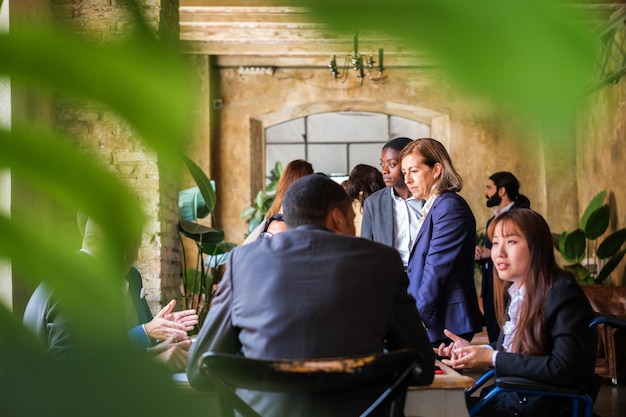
column 445, row 397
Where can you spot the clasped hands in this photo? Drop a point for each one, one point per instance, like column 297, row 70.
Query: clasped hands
column 461, row 354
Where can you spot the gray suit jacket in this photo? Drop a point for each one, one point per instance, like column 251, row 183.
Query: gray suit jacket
column 377, row 222
column 310, row 293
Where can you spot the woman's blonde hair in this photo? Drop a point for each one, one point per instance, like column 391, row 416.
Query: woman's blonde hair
column 433, row 152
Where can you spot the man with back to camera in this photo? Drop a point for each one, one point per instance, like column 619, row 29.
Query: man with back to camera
column 501, row 192
column 312, row 291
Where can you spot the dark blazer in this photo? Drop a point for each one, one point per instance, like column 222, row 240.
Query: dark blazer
column 441, row 269
column 45, row 318
column 310, row 293
column 570, row 363
column 137, row 334
column 377, row 223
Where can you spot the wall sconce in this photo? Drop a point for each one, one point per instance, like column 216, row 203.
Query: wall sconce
column 359, row 63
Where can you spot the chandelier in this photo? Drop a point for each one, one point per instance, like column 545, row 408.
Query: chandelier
column 360, row 63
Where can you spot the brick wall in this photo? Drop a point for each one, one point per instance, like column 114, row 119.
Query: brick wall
column 100, row 131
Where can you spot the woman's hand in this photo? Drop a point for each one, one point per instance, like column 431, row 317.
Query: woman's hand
column 444, row 351
column 470, row 357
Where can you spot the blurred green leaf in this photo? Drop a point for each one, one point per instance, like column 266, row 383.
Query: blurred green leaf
column 140, row 79
column 529, row 55
column 35, row 155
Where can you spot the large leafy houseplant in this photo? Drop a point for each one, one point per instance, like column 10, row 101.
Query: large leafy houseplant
column 263, row 201
column 198, row 282
column 592, row 261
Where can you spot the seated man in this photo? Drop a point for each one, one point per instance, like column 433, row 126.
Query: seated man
column 164, row 336
column 312, row 291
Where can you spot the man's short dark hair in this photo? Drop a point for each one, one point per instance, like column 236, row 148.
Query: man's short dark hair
column 397, row 143
column 309, row 200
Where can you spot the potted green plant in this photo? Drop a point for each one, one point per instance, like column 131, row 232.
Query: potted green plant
column 198, row 282
column 263, row 201
column 592, row 261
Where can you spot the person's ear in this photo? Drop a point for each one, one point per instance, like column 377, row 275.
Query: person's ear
column 339, row 223
column 501, row 192
column 437, row 170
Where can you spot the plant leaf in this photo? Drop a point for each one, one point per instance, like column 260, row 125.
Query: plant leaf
column 598, row 222
column 611, row 244
column 35, row 155
column 573, row 245
column 610, row 266
column 200, row 233
column 191, row 205
column 581, row 274
column 594, row 204
column 478, row 44
column 206, row 186
column 219, row 248
column 140, row 79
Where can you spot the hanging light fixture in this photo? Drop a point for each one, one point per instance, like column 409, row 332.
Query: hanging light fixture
column 361, row 64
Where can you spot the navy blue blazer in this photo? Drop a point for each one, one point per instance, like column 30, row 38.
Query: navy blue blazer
column 441, row 268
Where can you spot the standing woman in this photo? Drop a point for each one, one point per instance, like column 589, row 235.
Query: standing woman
column 544, row 316
column 441, row 263
column 295, row 169
column 364, row 181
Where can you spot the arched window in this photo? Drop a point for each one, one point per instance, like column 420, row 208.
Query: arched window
column 335, row 142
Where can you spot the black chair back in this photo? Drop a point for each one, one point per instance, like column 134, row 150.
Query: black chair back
column 391, row 370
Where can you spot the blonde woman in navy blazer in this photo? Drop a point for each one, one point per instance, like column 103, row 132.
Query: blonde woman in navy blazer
column 441, row 264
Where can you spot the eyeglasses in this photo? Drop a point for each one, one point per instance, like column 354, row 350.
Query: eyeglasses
column 265, row 234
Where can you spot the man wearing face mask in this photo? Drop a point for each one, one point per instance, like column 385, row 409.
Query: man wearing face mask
column 501, row 192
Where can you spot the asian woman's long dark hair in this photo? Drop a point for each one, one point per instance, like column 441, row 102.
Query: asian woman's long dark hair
column 542, row 269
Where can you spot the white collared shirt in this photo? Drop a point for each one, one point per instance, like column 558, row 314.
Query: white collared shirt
column 406, row 215
column 498, row 211
column 517, row 295
column 425, row 210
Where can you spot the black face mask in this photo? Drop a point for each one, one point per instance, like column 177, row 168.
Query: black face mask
column 494, row 200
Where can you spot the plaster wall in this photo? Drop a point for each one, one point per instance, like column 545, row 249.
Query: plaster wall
column 480, row 139
column 602, row 155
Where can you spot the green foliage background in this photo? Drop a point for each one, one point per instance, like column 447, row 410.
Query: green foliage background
column 528, row 55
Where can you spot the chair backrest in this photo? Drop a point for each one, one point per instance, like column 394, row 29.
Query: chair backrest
column 229, row 372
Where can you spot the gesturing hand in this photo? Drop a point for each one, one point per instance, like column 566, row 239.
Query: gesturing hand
column 161, row 328
column 444, row 351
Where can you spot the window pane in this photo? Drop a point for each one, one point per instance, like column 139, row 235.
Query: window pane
column 289, row 131
column 329, row 159
column 399, row 126
column 347, row 127
column 365, row 153
column 282, row 153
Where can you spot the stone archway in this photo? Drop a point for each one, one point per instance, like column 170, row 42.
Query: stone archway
column 439, row 125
